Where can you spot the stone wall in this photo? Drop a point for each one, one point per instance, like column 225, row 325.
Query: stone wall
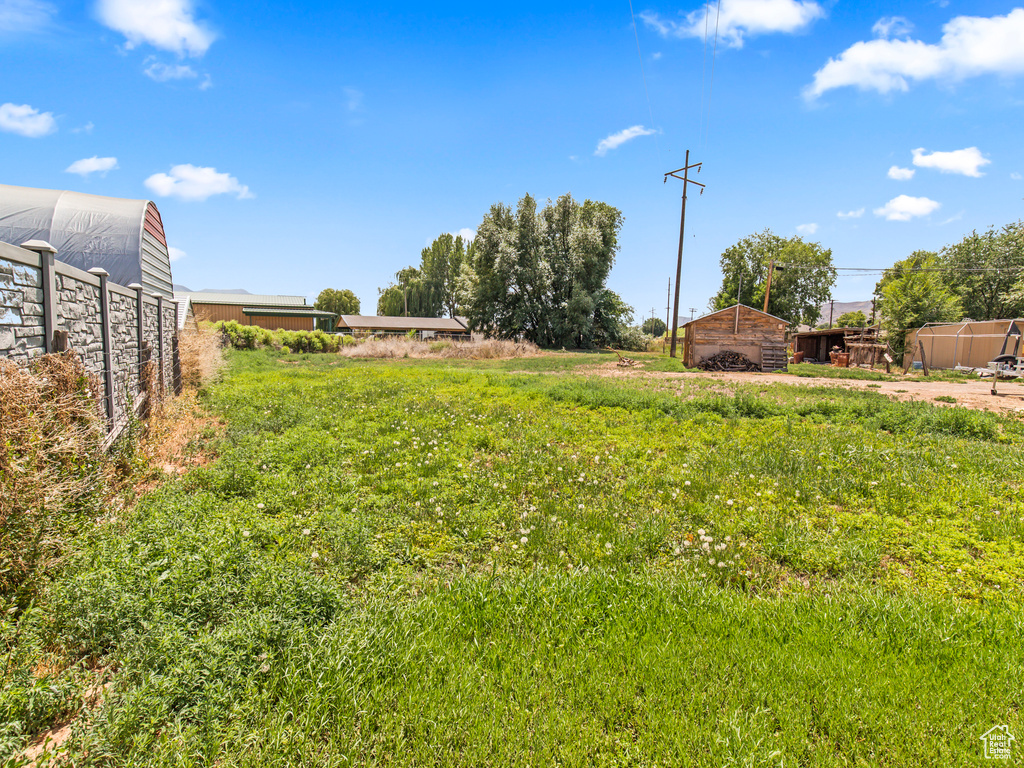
column 46, row 306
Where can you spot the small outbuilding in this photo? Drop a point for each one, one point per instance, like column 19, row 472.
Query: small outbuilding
column 817, row 346
column 124, row 237
column 289, row 313
column 425, row 327
column 757, row 335
column 969, row 343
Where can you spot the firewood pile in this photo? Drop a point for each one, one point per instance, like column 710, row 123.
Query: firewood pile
column 728, row 361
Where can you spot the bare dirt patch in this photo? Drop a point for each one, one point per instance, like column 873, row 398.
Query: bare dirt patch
column 968, row 394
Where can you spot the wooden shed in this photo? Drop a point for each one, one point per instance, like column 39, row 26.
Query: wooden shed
column 739, row 328
column 289, row 313
column 424, row 327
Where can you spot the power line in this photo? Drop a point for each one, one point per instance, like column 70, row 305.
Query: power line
column 882, row 270
column 711, row 86
column 643, row 76
column 703, row 68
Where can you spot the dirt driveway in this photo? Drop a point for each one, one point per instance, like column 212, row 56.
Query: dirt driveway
column 968, row 394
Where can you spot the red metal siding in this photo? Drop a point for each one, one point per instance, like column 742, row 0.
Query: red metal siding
column 154, row 224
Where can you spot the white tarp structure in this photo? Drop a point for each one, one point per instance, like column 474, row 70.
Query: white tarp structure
column 124, row 237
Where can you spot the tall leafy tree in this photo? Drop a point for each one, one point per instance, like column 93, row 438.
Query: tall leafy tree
column 410, row 295
column 340, row 302
column 983, row 271
column 798, row 289
column 653, row 326
column 852, row 320
column 913, row 292
column 541, row 274
column 435, row 288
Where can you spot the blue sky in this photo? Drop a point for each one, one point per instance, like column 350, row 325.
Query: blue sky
column 297, row 146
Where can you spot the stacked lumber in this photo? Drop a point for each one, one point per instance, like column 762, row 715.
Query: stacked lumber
column 727, row 360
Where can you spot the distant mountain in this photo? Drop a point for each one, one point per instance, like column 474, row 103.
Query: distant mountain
column 184, row 289
column 842, row 307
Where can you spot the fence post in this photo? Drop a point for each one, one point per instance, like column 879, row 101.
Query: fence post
column 175, row 365
column 49, row 284
column 146, row 352
column 160, row 337
column 108, row 356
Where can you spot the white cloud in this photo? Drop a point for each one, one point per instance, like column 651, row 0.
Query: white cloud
column 88, row 165
column 190, row 182
column 656, row 55
column 892, row 26
column 466, row 234
column 207, row 83
column 163, row 72
column 26, row 121
column 175, row 253
column 964, row 161
column 25, row 15
column 851, row 214
column 807, row 229
column 905, row 208
column 165, row 24
column 1015, row 176
column 87, row 128
column 616, row 140
column 970, row 46
column 901, row 174
column 739, row 18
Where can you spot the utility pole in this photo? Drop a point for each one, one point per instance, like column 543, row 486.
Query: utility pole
column 668, row 308
column 692, row 310
column 831, row 307
column 682, row 227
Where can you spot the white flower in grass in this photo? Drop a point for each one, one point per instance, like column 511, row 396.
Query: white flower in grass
column 711, row 561
column 260, row 505
column 700, row 531
column 315, row 555
column 246, row 534
column 608, row 546
column 721, row 565
column 729, row 502
column 524, row 541
column 306, row 531
column 686, row 483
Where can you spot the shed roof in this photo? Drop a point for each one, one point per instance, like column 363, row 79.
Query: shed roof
column 124, row 237
column 733, row 309
column 266, row 311
column 242, row 299
column 855, row 330
column 386, row 323
column 184, row 308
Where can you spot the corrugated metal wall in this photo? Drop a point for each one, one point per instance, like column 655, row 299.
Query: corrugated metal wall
column 971, row 344
column 217, row 312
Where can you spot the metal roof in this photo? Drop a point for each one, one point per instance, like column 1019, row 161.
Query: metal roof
column 266, row 311
column 246, row 299
column 124, row 237
column 184, row 309
column 383, row 323
column 733, row 309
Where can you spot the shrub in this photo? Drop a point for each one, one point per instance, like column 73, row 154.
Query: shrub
column 51, row 465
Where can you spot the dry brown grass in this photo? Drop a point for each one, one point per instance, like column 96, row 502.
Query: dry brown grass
column 201, row 358
column 51, row 462
column 399, row 346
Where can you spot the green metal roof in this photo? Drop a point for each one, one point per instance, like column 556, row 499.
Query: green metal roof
column 286, row 312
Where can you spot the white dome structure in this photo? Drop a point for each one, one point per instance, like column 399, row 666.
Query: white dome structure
column 124, row 237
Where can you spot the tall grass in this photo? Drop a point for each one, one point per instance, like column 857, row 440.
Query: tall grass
column 413, row 563
column 51, row 466
column 201, row 356
column 392, row 347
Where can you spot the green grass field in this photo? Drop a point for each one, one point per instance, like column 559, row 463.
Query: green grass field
column 405, row 563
